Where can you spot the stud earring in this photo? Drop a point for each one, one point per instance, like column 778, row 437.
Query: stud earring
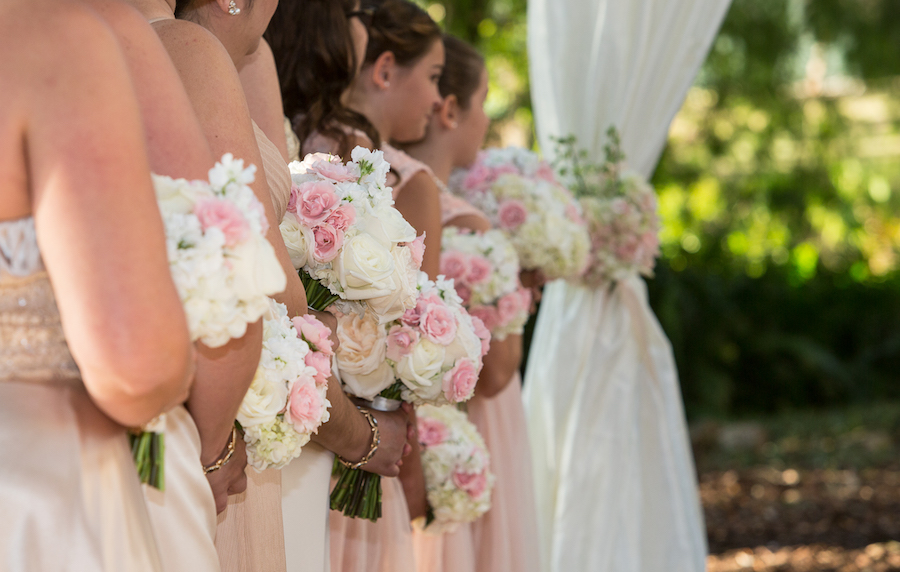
column 454, row 124
column 233, row 9
column 387, row 83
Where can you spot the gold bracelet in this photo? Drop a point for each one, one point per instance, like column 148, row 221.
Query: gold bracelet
column 224, row 458
column 376, row 440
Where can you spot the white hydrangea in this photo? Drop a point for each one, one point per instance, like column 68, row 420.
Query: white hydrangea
column 271, row 440
column 223, row 286
column 520, row 195
column 456, row 464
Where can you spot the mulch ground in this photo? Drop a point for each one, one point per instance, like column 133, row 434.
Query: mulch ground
column 765, row 519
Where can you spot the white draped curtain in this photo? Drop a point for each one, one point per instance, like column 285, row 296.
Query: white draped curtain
column 616, row 486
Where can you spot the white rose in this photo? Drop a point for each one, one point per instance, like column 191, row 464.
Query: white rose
column 364, row 268
column 403, row 294
column 388, row 226
column 256, row 269
column 263, row 402
column 298, row 239
column 421, row 368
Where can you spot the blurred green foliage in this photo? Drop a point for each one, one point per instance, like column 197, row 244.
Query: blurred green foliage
column 779, row 284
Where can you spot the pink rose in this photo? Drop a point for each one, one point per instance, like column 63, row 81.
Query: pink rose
column 417, row 250
column 483, row 334
column 488, row 315
column 478, row 178
column 512, row 214
column 473, row 483
column 306, row 406
column 413, row 316
column 315, row 201
column 333, row 169
column 509, row 307
column 464, row 292
column 400, row 341
column 431, row 431
column 292, row 201
column 454, row 265
column 329, row 242
column 314, row 333
column 545, row 172
column 322, row 364
column 438, row 324
column 459, row 383
column 224, row 215
column 342, row 217
column 480, row 270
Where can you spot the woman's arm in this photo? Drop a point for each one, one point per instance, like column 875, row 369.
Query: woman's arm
column 419, row 202
column 98, row 225
column 214, row 89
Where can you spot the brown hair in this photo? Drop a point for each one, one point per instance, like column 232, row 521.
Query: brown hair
column 316, row 63
column 462, row 71
column 402, row 28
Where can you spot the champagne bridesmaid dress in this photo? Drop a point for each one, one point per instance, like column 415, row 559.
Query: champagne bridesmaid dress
column 70, row 498
column 250, row 535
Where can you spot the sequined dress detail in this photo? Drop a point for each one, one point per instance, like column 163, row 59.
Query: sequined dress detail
column 69, row 494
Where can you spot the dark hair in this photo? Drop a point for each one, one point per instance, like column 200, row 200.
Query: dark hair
column 182, row 5
column 316, row 63
column 462, row 71
column 400, row 27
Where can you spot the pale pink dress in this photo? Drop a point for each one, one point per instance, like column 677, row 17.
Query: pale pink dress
column 505, row 538
column 250, row 533
column 358, row 545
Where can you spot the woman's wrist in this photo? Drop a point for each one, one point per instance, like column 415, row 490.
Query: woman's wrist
column 227, row 452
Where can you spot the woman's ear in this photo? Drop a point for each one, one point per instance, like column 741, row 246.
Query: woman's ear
column 384, row 70
column 448, row 112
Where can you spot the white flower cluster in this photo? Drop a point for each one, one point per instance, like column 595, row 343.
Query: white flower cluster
column 624, row 228
column 221, row 263
column 342, row 229
column 456, row 462
column 286, row 402
column 484, row 268
column 521, row 196
column 434, row 350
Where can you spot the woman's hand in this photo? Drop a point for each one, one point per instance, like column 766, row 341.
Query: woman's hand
column 396, row 432
column 231, row 478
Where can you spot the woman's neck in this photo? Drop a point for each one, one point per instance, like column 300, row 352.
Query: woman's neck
column 433, row 152
column 355, row 99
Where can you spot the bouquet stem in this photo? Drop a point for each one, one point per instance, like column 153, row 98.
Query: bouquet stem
column 318, row 297
column 149, row 450
column 357, row 493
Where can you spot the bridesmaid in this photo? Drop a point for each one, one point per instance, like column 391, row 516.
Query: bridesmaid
column 506, row 537
column 391, row 97
column 111, row 348
column 184, row 516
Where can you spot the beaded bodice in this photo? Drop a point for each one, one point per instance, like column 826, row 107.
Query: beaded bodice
column 32, row 344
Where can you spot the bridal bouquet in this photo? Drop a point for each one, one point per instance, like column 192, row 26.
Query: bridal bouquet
column 520, row 196
column 484, row 268
column 286, row 402
column 430, row 355
column 223, row 267
column 456, row 461
column 620, row 208
column 347, row 240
